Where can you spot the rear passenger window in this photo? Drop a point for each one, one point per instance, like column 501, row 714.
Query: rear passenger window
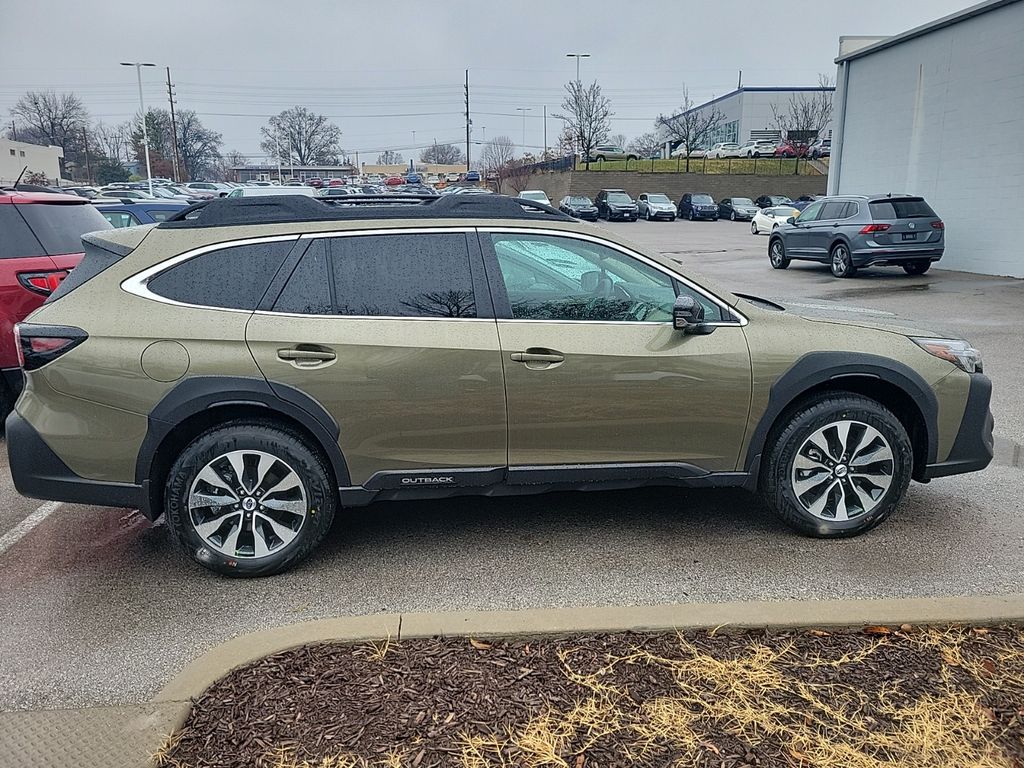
column 833, row 211
column 414, row 275
column 230, row 278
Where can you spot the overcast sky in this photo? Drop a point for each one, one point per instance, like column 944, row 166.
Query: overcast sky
column 387, row 70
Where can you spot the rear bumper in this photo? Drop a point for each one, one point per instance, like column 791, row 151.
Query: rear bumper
column 865, row 257
column 40, row 474
column 13, row 379
column 973, row 447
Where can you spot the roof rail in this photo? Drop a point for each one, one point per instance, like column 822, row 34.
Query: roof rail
column 277, row 209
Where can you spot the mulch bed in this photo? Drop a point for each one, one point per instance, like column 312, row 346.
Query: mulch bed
column 908, row 697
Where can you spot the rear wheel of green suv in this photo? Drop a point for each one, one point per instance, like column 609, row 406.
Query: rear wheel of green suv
column 249, row 499
column 838, row 466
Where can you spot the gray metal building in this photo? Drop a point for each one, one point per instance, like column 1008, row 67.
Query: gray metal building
column 939, row 111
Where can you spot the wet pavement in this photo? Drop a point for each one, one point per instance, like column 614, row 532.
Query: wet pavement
column 100, row 608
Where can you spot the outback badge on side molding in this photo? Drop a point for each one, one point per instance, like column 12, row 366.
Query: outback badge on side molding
column 428, row 480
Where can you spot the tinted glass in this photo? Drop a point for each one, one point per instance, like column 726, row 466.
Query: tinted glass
column 232, row 278
column 619, row 198
column 161, row 215
column 658, row 199
column 852, row 209
column 833, row 211
column 60, row 227
column 16, row 238
column 421, row 275
column 702, row 199
column 742, row 201
column 559, row 278
column 308, row 289
column 581, row 201
column 908, row 208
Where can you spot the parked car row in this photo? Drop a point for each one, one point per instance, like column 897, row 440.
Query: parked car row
column 757, row 148
column 617, row 205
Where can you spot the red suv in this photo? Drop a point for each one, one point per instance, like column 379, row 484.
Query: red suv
column 40, row 242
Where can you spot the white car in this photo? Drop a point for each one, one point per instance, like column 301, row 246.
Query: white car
column 262, row 191
column 537, row 195
column 757, row 148
column 724, row 149
column 767, row 219
column 655, row 206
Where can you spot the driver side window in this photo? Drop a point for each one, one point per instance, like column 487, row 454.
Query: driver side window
column 810, row 213
column 560, row 278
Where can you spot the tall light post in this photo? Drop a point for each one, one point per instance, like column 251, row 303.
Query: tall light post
column 524, row 110
column 577, row 56
column 142, row 113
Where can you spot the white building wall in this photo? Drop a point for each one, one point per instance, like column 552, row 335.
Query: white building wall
column 15, row 155
column 942, row 116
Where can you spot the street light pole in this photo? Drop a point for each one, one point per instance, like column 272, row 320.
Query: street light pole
column 142, row 113
column 577, row 56
column 524, row 110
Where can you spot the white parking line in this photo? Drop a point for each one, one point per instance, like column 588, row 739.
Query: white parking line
column 18, row 532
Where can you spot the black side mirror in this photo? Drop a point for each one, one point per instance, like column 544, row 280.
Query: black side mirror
column 791, row 220
column 688, row 316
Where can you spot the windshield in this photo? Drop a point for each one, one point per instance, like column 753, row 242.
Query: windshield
column 702, row 199
column 658, row 199
column 779, row 199
column 582, row 201
column 619, row 198
column 538, row 196
column 742, row 201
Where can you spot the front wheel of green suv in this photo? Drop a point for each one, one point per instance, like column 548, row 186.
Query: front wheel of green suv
column 838, row 466
column 249, row 499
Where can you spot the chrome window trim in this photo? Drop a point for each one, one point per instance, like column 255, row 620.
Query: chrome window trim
column 138, row 284
column 740, row 321
column 272, row 313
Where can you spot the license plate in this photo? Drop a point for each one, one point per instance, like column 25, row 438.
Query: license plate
column 910, row 235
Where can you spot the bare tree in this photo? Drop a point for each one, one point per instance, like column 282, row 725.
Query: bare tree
column 306, row 137
column 52, row 116
column 198, row 146
column 112, row 140
column 807, row 113
column 645, row 145
column 587, row 114
column 389, row 157
column 442, row 154
column 618, row 139
column 497, row 153
column 691, row 126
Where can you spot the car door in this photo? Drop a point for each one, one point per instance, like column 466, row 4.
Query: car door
column 684, row 205
column 595, row 374
column 725, row 207
column 394, row 335
column 799, row 234
column 822, row 231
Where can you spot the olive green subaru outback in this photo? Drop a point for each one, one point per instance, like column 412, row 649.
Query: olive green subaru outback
column 252, row 366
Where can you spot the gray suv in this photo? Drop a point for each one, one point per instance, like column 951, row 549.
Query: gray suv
column 852, row 231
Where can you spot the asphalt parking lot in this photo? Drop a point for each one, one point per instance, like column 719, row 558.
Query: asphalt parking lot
column 100, row 608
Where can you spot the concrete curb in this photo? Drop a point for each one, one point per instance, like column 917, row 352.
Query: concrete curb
column 211, row 666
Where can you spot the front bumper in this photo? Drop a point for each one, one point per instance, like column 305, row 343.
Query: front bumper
column 624, row 215
column 662, row 214
column 40, row 474
column 586, row 215
column 710, row 215
column 973, row 447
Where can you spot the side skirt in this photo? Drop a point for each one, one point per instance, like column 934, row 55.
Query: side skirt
column 523, row 480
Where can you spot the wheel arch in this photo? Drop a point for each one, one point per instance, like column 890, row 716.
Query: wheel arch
column 203, row 402
column 889, row 382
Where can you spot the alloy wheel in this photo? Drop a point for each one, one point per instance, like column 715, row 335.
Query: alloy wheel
column 247, row 504
column 842, row 471
column 840, row 261
column 753, row 228
column 776, row 254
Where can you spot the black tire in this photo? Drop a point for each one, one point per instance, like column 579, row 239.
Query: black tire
column 691, row 214
column 777, row 253
column 631, row 157
column 600, row 158
column 776, row 482
column 270, row 438
column 732, row 216
column 840, row 261
column 753, row 228
column 917, row 267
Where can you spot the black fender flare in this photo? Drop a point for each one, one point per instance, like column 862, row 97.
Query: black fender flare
column 200, row 393
column 816, row 368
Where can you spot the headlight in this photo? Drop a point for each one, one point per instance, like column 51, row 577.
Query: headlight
column 956, row 351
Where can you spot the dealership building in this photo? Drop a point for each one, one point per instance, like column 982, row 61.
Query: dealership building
column 938, row 111
column 747, row 114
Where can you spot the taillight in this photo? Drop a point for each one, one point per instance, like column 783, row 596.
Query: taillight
column 938, row 224
column 42, row 344
column 42, row 282
column 874, row 228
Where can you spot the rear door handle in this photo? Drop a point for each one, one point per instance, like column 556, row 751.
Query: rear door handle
column 306, row 356
column 537, row 357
